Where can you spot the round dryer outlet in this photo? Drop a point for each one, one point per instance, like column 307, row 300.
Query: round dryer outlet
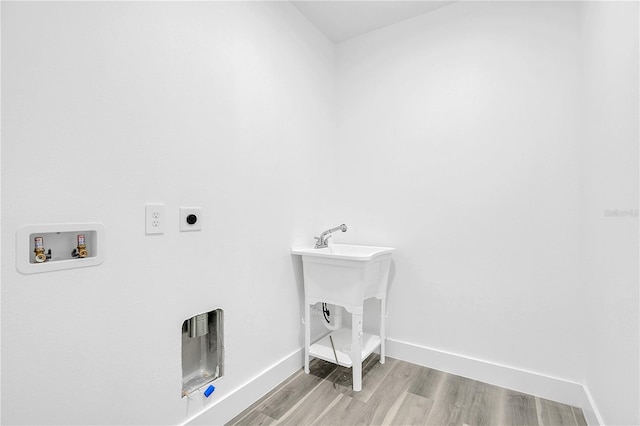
column 190, row 219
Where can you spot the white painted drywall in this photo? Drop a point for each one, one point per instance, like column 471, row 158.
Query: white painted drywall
column 458, row 137
column 610, row 145
column 460, row 142
column 485, row 141
column 108, row 106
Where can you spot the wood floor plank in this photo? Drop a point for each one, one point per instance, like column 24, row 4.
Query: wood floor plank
column 256, row 406
column 556, row 414
column 346, row 411
column 398, row 380
column 312, row 405
column 290, row 394
column 426, row 383
column 579, row 415
column 448, row 401
column 254, row 418
column 481, row 406
column 342, row 378
column 519, row 408
column 414, row 410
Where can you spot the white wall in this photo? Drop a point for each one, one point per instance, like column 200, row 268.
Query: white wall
column 108, row 106
column 461, row 141
column 485, row 141
column 610, row 143
column 458, row 139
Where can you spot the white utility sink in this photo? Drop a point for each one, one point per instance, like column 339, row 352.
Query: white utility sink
column 345, row 275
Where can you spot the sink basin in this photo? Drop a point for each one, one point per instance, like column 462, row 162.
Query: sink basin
column 344, row 251
column 344, row 274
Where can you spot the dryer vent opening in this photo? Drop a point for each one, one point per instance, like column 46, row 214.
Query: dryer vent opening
column 202, row 350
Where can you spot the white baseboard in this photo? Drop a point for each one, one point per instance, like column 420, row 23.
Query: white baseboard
column 520, row 380
column 591, row 413
column 239, row 399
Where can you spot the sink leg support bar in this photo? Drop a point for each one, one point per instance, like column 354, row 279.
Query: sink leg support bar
column 307, row 335
column 383, row 330
column 356, row 351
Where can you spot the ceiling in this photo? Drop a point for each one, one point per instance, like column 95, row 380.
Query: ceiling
column 342, row 20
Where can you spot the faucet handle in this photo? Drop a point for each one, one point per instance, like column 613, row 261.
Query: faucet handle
column 322, row 241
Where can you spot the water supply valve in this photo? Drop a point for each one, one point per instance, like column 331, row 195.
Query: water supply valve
column 81, row 250
column 39, row 250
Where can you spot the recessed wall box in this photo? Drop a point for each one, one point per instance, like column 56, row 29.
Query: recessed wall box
column 202, row 350
column 63, row 243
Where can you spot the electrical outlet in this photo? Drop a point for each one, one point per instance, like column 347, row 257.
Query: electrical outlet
column 154, row 219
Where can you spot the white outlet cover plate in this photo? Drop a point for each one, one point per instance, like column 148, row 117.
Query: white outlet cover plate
column 155, row 219
column 186, row 211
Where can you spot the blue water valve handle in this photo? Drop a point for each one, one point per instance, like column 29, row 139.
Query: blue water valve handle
column 209, row 390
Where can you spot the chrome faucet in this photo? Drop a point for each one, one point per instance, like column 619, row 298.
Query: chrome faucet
column 323, row 239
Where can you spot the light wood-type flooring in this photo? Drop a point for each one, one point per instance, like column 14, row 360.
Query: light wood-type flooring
column 399, row 393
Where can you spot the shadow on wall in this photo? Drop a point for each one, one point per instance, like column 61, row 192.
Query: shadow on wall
column 296, row 266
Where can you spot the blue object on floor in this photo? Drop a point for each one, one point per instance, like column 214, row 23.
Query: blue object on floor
column 209, row 390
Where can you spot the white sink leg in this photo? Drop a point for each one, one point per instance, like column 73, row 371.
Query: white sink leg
column 307, row 335
column 356, row 351
column 383, row 331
